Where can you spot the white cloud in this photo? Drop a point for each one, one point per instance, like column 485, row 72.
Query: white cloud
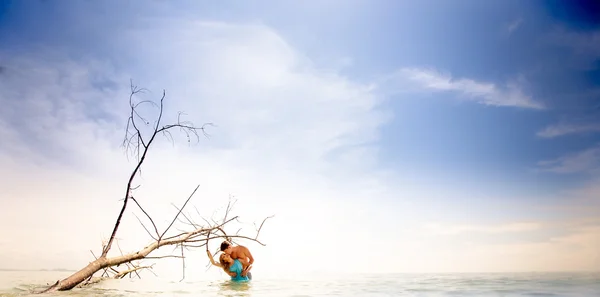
column 52, row 109
column 279, row 119
column 584, row 161
column 480, row 92
column 566, row 129
column 283, row 103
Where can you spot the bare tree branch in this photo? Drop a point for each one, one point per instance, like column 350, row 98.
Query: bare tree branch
column 163, row 257
column 176, row 216
column 227, row 236
column 121, row 251
column 136, row 134
column 148, row 216
column 191, row 235
column 147, row 231
column 189, row 221
column 261, row 225
column 105, row 272
column 182, row 263
column 135, row 269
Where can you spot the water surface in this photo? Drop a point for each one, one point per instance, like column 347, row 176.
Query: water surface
column 19, row 283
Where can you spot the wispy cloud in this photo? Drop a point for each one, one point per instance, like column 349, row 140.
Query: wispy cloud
column 566, row 129
column 278, row 118
column 585, row 46
column 581, row 42
column 584, row 161
column 291, row 139
column 576, row 250
column 54, row 104
column 514, row 25
column 545, row 245
column 583, row 201
column 485, row 93
column 488, row 229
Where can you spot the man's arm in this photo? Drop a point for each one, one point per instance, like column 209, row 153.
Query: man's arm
column 245, row 271
column 245, row 263
column 248, row 263
column 249, row 256
column 244, row 256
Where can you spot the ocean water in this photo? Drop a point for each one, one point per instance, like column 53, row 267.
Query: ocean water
column 521, row 284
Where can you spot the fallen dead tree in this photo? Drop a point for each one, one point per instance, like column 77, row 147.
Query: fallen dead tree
column 195, row 235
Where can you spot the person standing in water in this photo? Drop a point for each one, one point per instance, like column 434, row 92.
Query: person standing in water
column 232, row 267
column 240, row 253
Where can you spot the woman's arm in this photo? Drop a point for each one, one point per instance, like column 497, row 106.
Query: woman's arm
column 212, row 261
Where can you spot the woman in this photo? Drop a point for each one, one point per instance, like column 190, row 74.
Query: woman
column 231, row 267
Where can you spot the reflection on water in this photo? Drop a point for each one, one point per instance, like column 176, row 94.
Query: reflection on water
column 221, row 288
column 25, row 283
column 231, row 288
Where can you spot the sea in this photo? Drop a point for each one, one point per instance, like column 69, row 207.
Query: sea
column 584, row 284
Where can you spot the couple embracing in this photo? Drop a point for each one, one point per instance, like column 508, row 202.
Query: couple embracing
column 235, row 261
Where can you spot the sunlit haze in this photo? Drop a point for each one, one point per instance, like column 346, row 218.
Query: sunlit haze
column 384, row 136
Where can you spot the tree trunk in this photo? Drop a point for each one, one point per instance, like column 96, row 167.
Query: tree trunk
column 79, row 276
column 103, row 262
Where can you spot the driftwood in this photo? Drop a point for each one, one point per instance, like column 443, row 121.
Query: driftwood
column 196, row 235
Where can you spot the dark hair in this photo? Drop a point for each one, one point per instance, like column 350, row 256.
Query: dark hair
column 224, row 245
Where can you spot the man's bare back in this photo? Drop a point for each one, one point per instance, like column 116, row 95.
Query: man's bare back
column 240, row 253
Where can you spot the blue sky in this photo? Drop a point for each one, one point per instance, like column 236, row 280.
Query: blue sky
column 459, row 112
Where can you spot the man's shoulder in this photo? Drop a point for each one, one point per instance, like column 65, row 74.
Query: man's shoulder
column 241, row 248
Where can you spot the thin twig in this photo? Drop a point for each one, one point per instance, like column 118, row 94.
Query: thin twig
column 186, row 217
column 162, row 257
column 182, row 264
column 147, row 231
column 175, row 218
column 261, row 225
column 147, row 215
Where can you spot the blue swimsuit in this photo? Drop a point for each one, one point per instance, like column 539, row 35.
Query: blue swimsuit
column 237, row 268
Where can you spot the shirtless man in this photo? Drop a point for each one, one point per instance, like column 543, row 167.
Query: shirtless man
column 239, row 252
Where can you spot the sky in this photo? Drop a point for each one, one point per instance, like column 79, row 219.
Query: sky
column 384, row 136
